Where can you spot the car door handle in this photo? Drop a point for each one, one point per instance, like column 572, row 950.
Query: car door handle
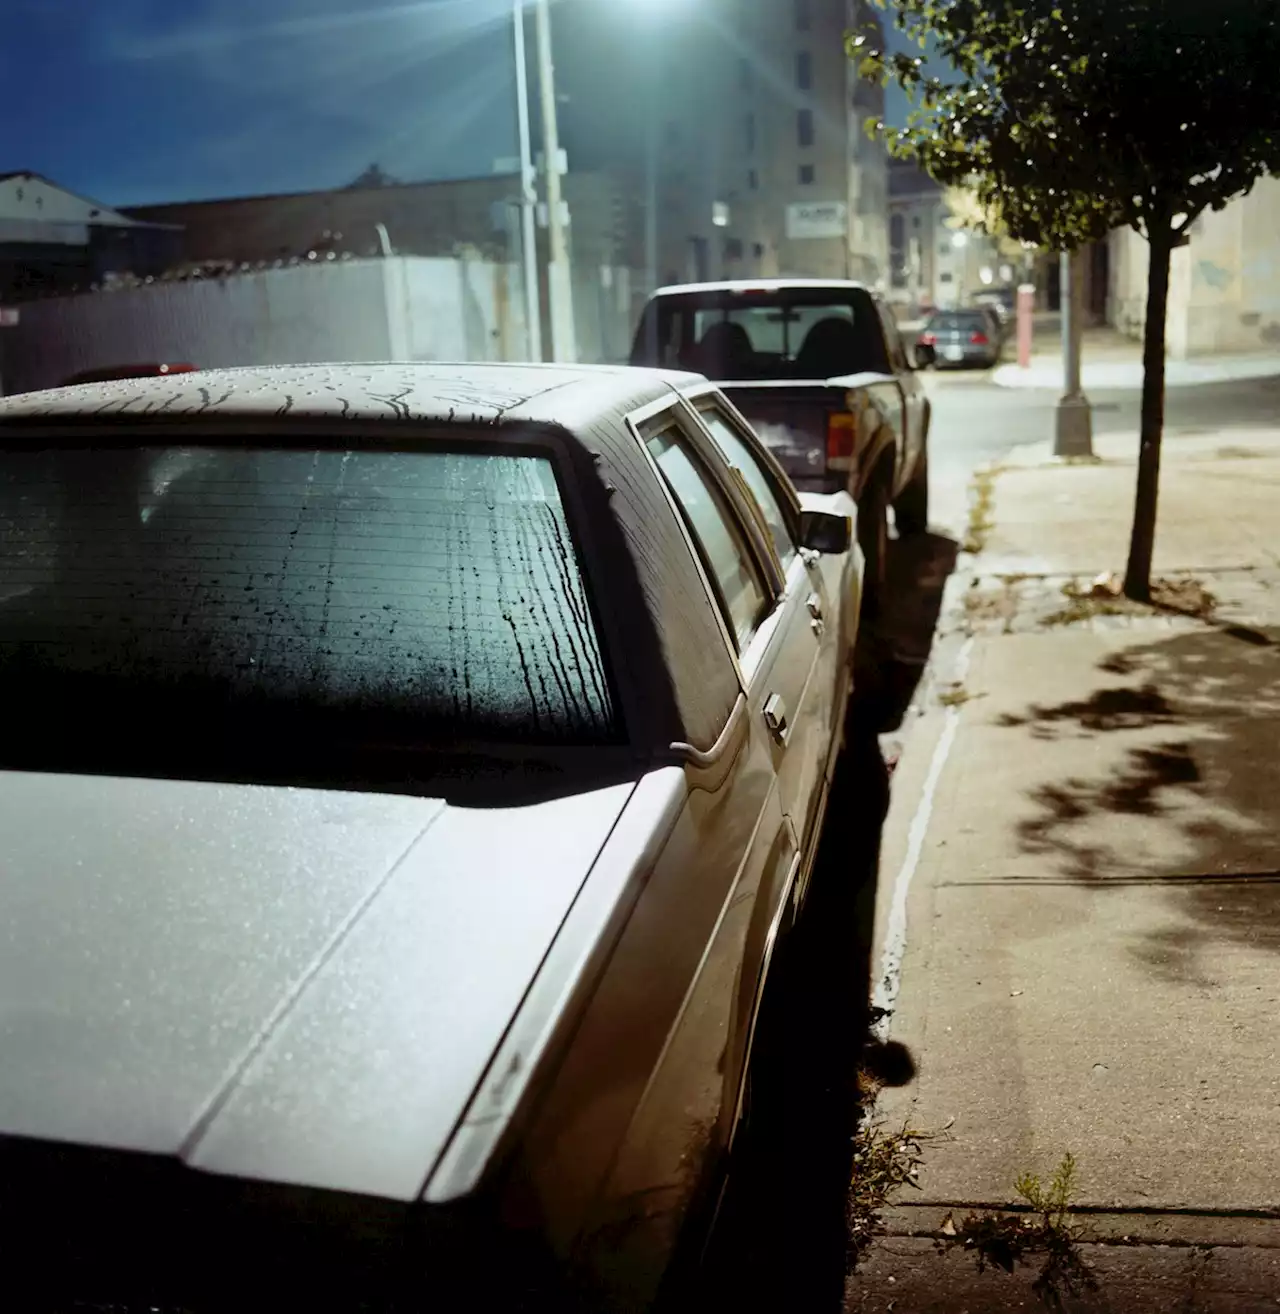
column 775, row 717
column 815, row 606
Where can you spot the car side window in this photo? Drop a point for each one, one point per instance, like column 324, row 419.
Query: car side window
column 740, row 456
column 724, row 549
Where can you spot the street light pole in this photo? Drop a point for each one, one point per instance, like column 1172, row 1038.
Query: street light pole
column 528, row 194
column 651, row 202
column 559, row 274
column 1074, row 435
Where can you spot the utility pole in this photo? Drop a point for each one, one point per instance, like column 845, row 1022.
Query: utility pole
column 1074, row 435
column 559, row 275
column 528, row 194
column 651, row 200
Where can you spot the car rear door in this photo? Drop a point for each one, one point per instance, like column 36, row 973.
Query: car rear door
column 816, row 712
column 779, row 649
column 736, row 850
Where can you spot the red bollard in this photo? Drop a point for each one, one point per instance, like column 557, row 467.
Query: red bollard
column 1026, row 309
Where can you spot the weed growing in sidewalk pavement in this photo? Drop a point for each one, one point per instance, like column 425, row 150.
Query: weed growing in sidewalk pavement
column 980, row 518
column 883, row 1163
column 1045, row 1232
column 956, row 696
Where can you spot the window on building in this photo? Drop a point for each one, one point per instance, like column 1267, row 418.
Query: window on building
column 751, row 134
column 804, row 127
column 804, row 70
column 803, row 15
column 806, row 174
column 753, row 180
column 733, row 248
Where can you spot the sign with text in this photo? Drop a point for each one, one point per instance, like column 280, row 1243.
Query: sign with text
column 812, row 219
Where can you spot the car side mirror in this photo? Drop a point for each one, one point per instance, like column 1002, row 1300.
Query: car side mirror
column 925, row 355
column 821, row 531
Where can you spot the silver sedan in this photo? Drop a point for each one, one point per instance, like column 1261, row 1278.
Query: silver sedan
column 408, row 775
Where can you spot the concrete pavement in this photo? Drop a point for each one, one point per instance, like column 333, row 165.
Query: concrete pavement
column 1108, row 375
column 1113, row 362
column 975, row 423
column 1078, row 927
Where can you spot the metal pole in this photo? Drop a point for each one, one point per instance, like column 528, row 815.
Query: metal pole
column 1066, row 315
column 1074, row 436
column 651, row 202
column 559, row 274
column 528, row 195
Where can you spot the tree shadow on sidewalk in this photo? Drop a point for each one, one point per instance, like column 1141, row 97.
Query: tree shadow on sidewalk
column 1191, row 804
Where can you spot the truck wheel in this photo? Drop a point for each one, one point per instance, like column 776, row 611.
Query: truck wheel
column 911, row 510
column 873, row 539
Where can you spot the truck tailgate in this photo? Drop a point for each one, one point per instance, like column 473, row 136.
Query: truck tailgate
column 792, row 420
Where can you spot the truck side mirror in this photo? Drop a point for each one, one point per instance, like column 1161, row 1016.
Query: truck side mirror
column 924, row 355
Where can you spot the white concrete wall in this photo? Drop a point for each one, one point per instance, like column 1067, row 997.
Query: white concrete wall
column 606, row 306
column 1234, row 275
column 455, row 310
column 405, row 308
column 1224, row 287
column 275, row 317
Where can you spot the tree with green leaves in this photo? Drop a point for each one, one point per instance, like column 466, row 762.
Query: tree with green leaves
column 1072, row 118
column 968, row 212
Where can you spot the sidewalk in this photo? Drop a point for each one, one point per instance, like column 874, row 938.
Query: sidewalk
column 1113, row 362
column 1078, row 928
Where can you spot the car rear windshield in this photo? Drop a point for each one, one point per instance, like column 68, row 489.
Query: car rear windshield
column 788, row 333
column 253, row 600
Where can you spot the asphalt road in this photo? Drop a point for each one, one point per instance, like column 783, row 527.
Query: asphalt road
column 975, row 422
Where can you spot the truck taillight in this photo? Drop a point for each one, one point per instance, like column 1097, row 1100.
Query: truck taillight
column 842, row 435
column 979, row 339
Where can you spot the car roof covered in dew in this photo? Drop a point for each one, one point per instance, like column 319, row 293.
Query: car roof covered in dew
column 676, row 679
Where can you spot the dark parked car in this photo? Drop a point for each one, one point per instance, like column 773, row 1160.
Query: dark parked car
column 960, row 338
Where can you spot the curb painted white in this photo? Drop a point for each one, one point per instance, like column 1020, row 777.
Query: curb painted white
column 889, row 981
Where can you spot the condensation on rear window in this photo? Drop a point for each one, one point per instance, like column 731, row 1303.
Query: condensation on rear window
column 436, row 592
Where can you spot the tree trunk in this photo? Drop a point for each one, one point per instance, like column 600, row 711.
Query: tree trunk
column 1137, row 578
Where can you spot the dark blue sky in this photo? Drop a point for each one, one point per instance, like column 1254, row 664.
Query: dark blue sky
column 138, row 101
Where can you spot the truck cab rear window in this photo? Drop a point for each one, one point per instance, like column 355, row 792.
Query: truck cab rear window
column 783, row 334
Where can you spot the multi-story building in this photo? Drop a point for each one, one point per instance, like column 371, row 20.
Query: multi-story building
column 765, row 166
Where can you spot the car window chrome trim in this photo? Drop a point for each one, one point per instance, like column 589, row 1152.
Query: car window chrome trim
column 696, row 757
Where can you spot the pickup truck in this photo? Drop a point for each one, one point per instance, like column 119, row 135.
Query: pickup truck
column 820, row 370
